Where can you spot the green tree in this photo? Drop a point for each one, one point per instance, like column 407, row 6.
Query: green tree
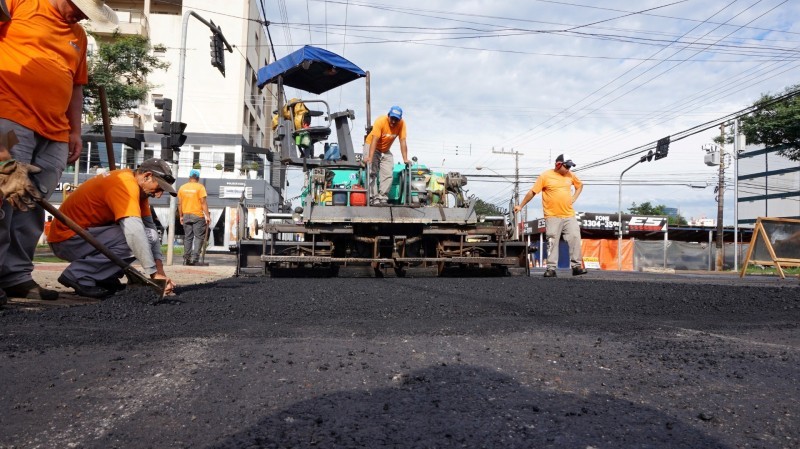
column 647, row 208
column 776, row 124
column 122, row 66
column 484, row 208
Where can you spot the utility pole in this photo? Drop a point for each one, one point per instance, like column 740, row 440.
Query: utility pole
column 516, row 155
column 173, row 205
column 720, row 255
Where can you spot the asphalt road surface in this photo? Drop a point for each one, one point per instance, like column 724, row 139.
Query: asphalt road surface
column 606, row 360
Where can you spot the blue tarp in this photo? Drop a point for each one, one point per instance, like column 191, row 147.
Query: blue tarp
column 310, row 69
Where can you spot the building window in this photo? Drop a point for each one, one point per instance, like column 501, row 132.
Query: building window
column 230, row 161
column 148, row 153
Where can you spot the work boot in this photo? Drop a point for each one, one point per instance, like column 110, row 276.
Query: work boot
column 31, row 290
column 550, row 273
column 111, row 284
column 89, row 291
column 577, row 271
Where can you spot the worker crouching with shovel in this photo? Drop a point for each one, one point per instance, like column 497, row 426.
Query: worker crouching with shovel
column 114, row 209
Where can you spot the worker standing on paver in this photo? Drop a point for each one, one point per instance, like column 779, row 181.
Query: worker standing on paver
column 42, row 72
column 194, row 216
column 557, row 199
column 386, row 129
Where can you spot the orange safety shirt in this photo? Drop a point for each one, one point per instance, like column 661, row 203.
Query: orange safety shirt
column 42, row 59
column 556, row 190
column 101, row 201
column 189, row 195
column 386, row 133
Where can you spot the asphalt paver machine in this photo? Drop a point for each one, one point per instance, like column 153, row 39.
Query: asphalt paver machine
column 429, row 220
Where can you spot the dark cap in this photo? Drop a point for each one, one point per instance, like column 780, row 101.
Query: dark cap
column 568, row 163
column 161, row 172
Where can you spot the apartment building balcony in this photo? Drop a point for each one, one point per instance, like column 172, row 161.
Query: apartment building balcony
column 131, row 22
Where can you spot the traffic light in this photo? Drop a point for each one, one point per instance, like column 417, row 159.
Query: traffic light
column 166, row 150
column 218, row 51
column 164, row 117
column 662, row 148
column 176, row 136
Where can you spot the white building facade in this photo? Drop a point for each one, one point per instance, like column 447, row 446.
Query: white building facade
column 228, row 119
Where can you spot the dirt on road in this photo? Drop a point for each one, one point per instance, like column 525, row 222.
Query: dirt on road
column 606, row 360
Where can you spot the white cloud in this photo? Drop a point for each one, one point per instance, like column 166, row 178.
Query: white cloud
column 590, row 95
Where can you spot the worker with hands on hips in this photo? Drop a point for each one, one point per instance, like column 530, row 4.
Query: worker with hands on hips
column 386, row 129
column 556, row 187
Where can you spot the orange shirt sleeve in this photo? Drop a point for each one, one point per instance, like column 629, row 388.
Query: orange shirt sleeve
column 123, row 199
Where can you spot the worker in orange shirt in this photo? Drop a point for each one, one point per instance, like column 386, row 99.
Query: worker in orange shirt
column 47, row 225
column 556, row 187
column 193, row 210
column 114, row 208
column 43, row 54
column 386, row 129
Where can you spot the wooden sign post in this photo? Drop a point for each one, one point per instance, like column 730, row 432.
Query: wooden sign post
column 775, row 242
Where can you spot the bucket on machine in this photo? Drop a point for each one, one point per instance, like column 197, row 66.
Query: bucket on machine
column 358, row 196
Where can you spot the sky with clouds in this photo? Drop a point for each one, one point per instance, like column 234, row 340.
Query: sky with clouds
column 481, row 79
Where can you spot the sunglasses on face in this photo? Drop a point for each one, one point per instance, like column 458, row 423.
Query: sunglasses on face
column 169, row 178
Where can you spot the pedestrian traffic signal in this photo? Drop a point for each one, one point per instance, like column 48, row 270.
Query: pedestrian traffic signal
column 662, row 148
column 166, row 150
column 218, row 51
column 164, row 117
column 176, row 136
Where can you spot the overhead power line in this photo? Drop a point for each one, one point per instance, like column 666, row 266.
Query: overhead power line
column 689, row 132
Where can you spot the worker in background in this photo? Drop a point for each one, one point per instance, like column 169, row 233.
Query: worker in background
column 193, row 210
column 114, row 209
column 556, row 187
column 47, row 225
column 43, row 54
column 386, row 129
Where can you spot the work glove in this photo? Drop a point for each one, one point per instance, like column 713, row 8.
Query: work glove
column 16, row 186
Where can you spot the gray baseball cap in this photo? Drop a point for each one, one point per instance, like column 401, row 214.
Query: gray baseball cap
column 161, row 172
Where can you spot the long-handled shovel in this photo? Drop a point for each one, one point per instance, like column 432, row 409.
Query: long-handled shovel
column 134, row 276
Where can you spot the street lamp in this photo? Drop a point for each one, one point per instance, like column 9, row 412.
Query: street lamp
column 645, row 158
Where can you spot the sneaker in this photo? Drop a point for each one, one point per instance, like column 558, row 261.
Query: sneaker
column 31, row 290
column 85, row 290
column 549, row 273
column 577, row 271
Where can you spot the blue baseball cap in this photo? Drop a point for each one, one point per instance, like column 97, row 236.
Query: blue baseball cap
column 396, row 112
column 194, row 174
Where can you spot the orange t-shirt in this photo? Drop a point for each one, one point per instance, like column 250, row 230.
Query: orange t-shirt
column 386, row 133
column 556, row 193
column 42, row 59
column 101, row 201
column 189, row 195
